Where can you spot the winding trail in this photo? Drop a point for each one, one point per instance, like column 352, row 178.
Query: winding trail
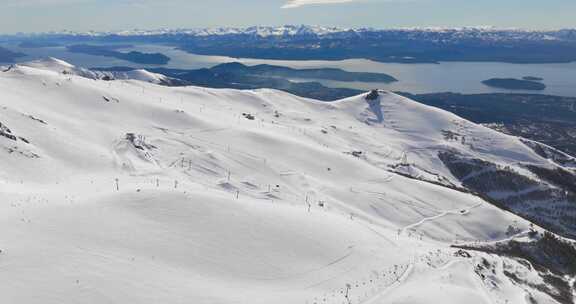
column 461, row 211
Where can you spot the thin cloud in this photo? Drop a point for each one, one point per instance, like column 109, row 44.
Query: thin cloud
column 24, row 3
column 299, row 3
column 53, row 3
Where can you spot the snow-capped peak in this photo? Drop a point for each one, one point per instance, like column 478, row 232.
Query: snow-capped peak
column 478, row 32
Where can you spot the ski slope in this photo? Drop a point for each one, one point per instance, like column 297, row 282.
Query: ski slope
column 130, row 192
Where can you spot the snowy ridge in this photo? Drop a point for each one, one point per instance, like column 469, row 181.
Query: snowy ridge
column 59, row 66
column 263, row 31
column 488, row 33
column 129, row 192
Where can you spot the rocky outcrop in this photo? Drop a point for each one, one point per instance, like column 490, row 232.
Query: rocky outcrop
column 5, row 132
column 545, row 196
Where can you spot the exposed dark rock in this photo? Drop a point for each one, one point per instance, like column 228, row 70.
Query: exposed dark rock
column 37, row 119
column 373, row 95
column 552, row 257
column 248, row 116
column 5, row 132
column 549, row 200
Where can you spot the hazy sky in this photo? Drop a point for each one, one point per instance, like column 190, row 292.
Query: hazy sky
column 100, row 15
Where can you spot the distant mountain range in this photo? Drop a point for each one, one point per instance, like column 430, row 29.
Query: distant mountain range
column 410, row 45
column 441, row 33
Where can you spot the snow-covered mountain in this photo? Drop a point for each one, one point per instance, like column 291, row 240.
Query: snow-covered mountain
column 126, row 191
column 65, row 68
column 262, row 31
column 488, row 33
column 302, row 42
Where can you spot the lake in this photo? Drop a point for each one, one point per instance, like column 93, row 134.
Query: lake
column 462, row 77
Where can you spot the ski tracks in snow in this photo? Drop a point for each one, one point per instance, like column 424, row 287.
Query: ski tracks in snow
column 460, row 211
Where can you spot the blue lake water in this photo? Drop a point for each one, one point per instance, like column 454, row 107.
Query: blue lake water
column 462, row 77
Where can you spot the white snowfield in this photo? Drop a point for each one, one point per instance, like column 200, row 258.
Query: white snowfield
column 225, row 196
column 59, row 66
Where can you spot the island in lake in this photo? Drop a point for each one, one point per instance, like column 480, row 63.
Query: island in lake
column 239, row 76
column 320, row 73
column 110, row 51
column 532, row 78
column 514, row 84
column 37, row 44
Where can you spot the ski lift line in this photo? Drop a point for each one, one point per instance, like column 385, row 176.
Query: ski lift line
column 221, row 146
column 394, row 279
column 402, row 278
column 225, row 156
column 291, row 194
